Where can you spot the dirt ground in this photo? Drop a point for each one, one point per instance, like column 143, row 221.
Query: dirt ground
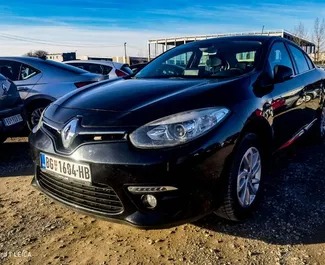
column 289, row 227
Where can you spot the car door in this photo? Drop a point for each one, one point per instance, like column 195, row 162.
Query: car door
column 287, row 97
column 312, row 81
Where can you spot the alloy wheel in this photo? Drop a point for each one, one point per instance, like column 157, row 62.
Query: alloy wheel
column 35, row 116
column 249, row 177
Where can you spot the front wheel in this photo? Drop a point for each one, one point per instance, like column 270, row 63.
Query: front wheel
column 244, row 180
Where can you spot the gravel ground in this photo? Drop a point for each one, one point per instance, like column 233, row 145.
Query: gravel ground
column 289, row 227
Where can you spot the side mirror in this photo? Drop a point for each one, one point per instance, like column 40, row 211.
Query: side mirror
column 282, row 73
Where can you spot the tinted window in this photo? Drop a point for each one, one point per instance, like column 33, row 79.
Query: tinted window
column 106, row 69
column 205, row 59
column 309, row 62
column 279, row 56
column 65, row 67
column 300, row 59
column 10, row 69
column 27, row 72
column 94, row 68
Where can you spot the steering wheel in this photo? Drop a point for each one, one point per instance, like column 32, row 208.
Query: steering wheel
column 170, row 70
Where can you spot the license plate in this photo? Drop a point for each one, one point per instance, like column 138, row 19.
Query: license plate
column 65, row 168
column 13, row 120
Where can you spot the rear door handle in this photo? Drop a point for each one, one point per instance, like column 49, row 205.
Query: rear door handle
column 23, row 89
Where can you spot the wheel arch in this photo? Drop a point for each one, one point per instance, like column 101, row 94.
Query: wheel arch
column 264, row 131
column 38, row 100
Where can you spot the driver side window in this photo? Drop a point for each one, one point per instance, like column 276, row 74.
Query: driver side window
column 279, row 56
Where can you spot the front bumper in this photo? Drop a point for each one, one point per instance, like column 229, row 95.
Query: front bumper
column 195, row 170
column 15, row 128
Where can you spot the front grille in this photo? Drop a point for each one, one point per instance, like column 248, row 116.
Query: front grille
column 81, row 138
column 102, row 200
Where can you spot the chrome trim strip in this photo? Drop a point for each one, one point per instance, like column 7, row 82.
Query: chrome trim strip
column 98, row 132
column 51, row 126
column 150, row 189
column 88, row 132
column 310, row 124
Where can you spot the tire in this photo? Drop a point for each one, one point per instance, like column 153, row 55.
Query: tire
column 318, row 130
column 233, row 206
column 34, row 115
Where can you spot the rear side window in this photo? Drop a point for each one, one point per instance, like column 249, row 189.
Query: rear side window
column 106, row 69
column 94, row 68
column 79, row 65
column 65, row 67
column 300, row 59
column 27, row 72
column 309, row 62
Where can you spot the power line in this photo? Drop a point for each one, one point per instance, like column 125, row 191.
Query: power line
column 53, row 43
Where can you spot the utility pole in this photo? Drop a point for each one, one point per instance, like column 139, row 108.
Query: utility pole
column 124, row 52
column 262, row 29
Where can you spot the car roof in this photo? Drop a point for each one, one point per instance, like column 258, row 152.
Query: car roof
column 103, row 62
column 259, row 38
column 22, row 58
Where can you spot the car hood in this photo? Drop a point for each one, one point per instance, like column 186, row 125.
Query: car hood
column 136, row 101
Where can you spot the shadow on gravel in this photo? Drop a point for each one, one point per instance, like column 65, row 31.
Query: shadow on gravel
column 15, row 159
column 293, row 208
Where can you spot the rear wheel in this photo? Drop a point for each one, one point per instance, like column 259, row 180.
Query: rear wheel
column 244, row 180
column 34, row 113
column 322, row 124
column 318, row 130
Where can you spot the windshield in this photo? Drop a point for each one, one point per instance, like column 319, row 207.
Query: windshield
column 219, row 59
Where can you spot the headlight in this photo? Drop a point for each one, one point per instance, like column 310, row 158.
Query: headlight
column 40, row 122
column 178, row 128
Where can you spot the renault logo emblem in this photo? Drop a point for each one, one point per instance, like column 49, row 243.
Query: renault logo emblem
column 69, row 133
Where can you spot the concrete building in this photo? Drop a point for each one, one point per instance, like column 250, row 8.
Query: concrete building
column 130, row 60
column 61, row 57
column 158, row 46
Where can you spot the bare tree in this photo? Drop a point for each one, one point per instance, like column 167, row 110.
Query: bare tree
column 38, row 54
column 300, row 33
column 319, row 37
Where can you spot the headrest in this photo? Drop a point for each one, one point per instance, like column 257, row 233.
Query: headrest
column 214, row 61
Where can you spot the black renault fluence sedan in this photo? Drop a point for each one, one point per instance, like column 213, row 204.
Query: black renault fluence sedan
column 189, row 135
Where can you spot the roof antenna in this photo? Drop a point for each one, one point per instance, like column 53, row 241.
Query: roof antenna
column 262, row 29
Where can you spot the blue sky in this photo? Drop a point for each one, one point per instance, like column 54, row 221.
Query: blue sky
column 92, row 24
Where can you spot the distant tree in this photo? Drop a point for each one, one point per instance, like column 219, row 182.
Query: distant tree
column 300, row 33
column 37, row 53
column 29, row 54
column 319, row 37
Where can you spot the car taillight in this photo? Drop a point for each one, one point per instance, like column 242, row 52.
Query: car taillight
column 119, row 73
column 84, row 83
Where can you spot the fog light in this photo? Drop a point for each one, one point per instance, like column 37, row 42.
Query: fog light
column 149, row 201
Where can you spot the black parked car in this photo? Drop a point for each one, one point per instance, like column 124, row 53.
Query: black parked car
column 12, row 115
column 187, row 136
